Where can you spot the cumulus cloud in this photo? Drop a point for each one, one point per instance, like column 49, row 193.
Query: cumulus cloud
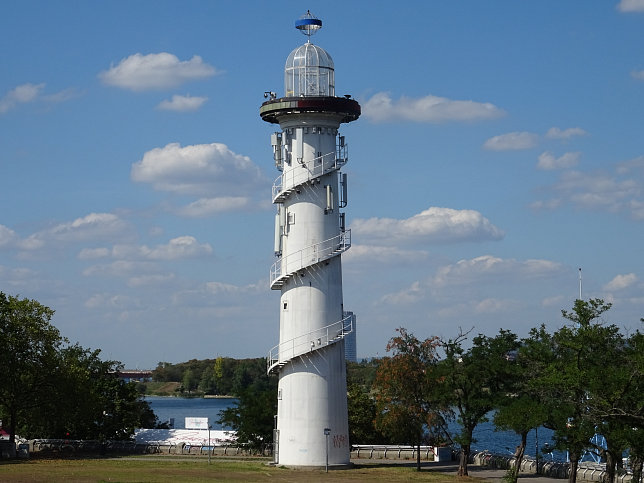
column 211, row 206
column 94, row 226
column 382, row 108
column 556, row 133
column 20, row 95
column 480, row 271
column 631, row 6
column 415, row 292
column 434, row 225
column 93, row 253
column 182, row 103
column 638, row 74
column 547, row 161
column 150, row 280
column 600, row 191
column 621, row 282
column 27, row 93
column 140, row 72
column 380, row 254
column 200, row 169
column 8, row 237
column 631, row 166
column 178, row 248
column 511, row 141
column 489, row 267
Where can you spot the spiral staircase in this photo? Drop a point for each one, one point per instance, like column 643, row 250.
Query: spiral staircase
column 288, row 265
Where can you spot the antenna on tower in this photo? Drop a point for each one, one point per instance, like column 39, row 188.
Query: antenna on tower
column 308, row 24
column 580, row 283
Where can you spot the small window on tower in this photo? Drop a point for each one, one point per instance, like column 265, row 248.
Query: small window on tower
column 285, row 305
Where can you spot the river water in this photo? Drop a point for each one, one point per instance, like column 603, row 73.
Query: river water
column 179, row 408
column 498, row 442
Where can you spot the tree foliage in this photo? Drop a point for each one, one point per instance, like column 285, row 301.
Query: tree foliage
column 474, row 381
column 51, row 389
column 252, row 416
column 405, row 397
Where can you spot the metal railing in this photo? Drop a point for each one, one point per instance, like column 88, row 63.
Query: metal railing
column 312, row 169
column 305, row 343
column 291, row 263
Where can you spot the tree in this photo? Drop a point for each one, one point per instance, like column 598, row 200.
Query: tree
column 406, row 404
column 252, row 416
column 362, row 414
column 589, row 385
column 54, row 390
column 29, row 345
column 474, row 380
column 522, row 410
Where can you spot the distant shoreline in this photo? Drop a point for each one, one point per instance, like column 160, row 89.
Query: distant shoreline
column 205, row 396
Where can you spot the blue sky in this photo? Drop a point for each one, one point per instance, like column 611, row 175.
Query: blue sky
column 499, row 150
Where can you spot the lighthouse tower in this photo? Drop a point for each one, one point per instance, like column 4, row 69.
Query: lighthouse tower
column 310, row 237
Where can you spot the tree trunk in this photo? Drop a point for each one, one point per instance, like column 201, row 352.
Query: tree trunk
column 465, row 456
column 418, row 456
column 637, row 464
column 514, row 475
column 574, row 464
column 609, row 476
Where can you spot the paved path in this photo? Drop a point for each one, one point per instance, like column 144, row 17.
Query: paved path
column 451, row 467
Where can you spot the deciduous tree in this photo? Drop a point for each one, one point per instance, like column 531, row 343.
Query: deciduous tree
column 407, row 405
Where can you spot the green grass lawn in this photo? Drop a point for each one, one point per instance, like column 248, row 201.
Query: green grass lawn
column 169, row 468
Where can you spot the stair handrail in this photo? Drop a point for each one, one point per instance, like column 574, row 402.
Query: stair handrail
column 316, row 253
column 308, row 342
column 314, row 168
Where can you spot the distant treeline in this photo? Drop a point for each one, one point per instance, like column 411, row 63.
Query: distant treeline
column 228, row 376
column 220, row 376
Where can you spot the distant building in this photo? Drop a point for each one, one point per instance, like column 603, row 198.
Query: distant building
column 350, row 348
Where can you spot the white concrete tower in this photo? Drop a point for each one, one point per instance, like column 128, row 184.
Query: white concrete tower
column 310, row 237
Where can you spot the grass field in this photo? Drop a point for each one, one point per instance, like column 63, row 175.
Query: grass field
column 168, row 468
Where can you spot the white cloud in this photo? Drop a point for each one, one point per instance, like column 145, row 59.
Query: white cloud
column 8, row 237
column 120, row 268
column 631, row 6
column 511, row 141
column 556, row 133
column 621, row 282
column 150, row 280
column 550, row 204
column 178, row 248
column 494, row 306
column 211, row 206
column 547, row 161
column 489, row 267
column 206, row 169
column 93, row 253
column 380, row 254
column 410, row 295
column 94, row 226
column 104, row 300
column 620, row 192
column 434, row 225
column 20, row 95
column 155, row 71
column 638, row 74
column 381, row 108
column 182, row 103
column 631, row 165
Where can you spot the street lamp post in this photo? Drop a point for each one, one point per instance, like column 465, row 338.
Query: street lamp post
column 327, row 432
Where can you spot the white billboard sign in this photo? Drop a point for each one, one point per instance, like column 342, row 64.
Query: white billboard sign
column 196, row 423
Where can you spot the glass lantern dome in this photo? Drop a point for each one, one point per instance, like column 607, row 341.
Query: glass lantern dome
column 309, row 72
